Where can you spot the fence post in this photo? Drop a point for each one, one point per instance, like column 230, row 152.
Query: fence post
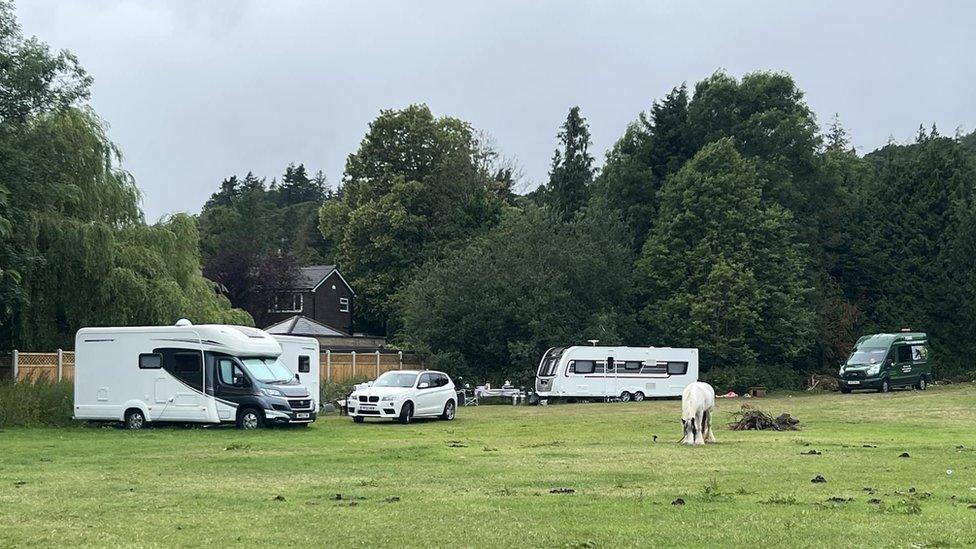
column 377, row 364
column 14, row 363
column 60, row 364
column 328, row 365
column 400, row 355
column 354, row 364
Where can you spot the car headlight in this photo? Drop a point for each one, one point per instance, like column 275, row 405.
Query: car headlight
column 271, row 392
column 873, row 370
column 388, row 398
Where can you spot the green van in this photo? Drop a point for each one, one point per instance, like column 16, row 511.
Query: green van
column 884, row 361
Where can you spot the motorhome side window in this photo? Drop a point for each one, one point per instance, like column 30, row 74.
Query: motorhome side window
column 584, row 366
column 187, row 367
column 677, row 368
column 150, row 361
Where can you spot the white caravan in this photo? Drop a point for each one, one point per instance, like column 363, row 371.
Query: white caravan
column 628, row 373
column 186, row 373
column 301, row 356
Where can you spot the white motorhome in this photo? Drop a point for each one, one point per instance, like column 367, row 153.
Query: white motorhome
column 185, row 373
column 627, row 373
column 301, row 356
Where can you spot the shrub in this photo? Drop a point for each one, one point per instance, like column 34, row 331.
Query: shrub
column 33, row 404
column 333, row 390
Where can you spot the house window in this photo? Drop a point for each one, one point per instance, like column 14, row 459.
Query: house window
column 287, row 302
column 343, row 304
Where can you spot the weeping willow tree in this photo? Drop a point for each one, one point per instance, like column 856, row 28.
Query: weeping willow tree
column 74, row 247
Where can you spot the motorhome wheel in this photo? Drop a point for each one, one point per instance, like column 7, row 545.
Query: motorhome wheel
column 134, row 419
column 250, row 418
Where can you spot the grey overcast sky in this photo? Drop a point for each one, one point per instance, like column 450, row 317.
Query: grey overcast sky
column 195, row 91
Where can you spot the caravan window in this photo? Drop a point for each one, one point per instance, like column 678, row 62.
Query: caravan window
column 304, row 363
column 150, row 361
column 584, row 366
column 633, row 365
column 677, row 368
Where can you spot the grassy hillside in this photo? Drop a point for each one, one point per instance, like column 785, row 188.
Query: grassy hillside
column 486, row 478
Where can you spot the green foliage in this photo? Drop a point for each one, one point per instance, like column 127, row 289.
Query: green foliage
column 572, row 167
column 720, row 270
column 36, row 404
column 492, row 308
column 335, row 390
column 415, row 186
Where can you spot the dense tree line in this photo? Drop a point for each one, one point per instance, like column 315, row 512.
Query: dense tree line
column 74, row 248
column 724, row 218
column 255, row 235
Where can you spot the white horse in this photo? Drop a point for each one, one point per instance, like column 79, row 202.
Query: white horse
column 697, row 404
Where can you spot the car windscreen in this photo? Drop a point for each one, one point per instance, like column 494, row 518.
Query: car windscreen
column 395, row 379
column 268, row 370
column 867, row 355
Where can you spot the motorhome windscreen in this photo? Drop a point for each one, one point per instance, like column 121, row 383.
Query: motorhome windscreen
column 550, row 361
column 867, row 355
column 267, row 370
column 395, row 379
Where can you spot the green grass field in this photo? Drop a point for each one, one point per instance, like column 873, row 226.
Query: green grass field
column 485, row 479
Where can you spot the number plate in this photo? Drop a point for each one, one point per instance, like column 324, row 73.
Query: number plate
column 302, row 416
column 854, row 382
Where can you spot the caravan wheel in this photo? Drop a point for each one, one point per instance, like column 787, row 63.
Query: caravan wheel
column 134, row 419
column 638, row 396
column 625, row 397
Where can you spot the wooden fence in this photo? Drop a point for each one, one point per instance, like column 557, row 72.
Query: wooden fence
column 335, row 367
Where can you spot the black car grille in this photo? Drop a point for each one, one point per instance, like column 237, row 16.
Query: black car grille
column 364, row 398
column 300, row 404
column 853, row 375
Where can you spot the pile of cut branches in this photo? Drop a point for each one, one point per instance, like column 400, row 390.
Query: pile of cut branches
column 750, row 419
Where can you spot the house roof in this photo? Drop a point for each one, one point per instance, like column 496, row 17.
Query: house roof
column 311, row 277
column 303, row 326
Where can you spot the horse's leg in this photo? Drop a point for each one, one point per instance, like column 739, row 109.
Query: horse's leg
column 700, row 433
column 709, row 437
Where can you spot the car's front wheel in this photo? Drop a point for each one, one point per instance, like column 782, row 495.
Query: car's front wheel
column 406, row 412
column 450, row 410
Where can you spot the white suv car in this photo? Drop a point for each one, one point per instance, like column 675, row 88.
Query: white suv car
column 405, row 394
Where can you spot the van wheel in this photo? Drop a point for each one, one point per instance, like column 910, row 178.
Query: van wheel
column 922, row 384
column 250, row 418
column 845, row 390
column 359, row 419
column 638, row 396
column 625, row 397
column 406, row 412
column 885, row 386
column 134, row 419
column 450, row 410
